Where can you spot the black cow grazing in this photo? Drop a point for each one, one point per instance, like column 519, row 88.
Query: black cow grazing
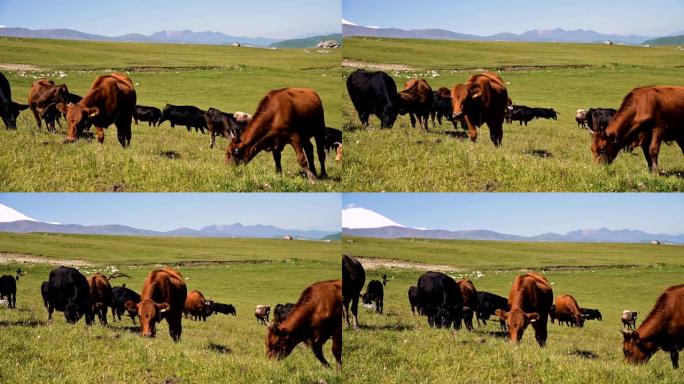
column 374, row 93
column 520, row 113
column 599, row 118
column 149, row 114
column 187, row 115
column 441, row 106
column 68, row 292
column 488, row 305
column 591, row 314
column 44, row 292
column 9, row 110
column 545, row 113
column 333, row 141
column 224, row 124
column 441, row 300
column 226, row 309
column 8, row 289
column 120, row 295
column 353, row 280
column 374, row 294
column 281, row 312
column 414, row 300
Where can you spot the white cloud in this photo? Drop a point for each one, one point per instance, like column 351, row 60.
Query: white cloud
column 347, row 22
column 373, row 26
column 358, row 217
column 8, row 214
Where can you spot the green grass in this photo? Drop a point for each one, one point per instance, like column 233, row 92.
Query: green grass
column 228, row 78
column 398, row 347
column 61, row 353
column 571, row 76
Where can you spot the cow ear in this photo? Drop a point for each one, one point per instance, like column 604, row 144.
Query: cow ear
column 131, row 306
column 502, row 314
column 532, row 317
column 163, row 307
column 93, row 111
column 61, row 107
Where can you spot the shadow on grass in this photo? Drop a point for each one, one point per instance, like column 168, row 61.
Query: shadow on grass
column 584, row 354
column 218, row 348
column 170, row 154
column 462, row 135
column 19, row 323
column 386, row 327
column 130, row 328
column 677, row 172
column 539, row 153
column 497, row 334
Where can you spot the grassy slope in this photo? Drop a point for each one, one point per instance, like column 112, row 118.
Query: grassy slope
column 405, row 159
column 227, row 78
column 59, row 353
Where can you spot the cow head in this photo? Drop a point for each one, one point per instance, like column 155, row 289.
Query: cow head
column 73, row 311
column 77, row 115
column 279, row 342
column 463, row 98
column 604, row 146
column 634, row 349
column 236, row 153
column 517, row 322
column 10, row 112
column 150, row 313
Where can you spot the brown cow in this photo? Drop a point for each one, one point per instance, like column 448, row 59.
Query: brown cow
column 470, row 301
column 529, row 301
column 482, row 99
column 43, row 98
column 163, row 297
column 111, row 99
column 568, row 311
column 316, row 317
column 647, row 116
column 416, row 99
column 663, row 329
column 197, row 306
column 284, row 116
column 101, row 296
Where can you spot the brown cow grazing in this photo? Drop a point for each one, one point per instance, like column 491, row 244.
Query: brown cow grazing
column 163, row 297
column 316, row 317
column 663, row 329
column 568, row 311
column 647, row 116
column 43, row 98
column 482, row 99
column 529, row 300
column 284, row 116
column 197, row 306
column 111, row 99
column 101, row 296
column 416, row 100
column 470, row 301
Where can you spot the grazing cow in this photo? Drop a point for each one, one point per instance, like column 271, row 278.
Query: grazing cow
column 8, row 289
column 120, row 295
column 629, row 319
column 197, row 306
column 284, row 116
column 647, row 116
column 581, row 118
column 374, row 294
column 333, row 140
column 520, row 113
column 163, row 297
column 281, row 312
column 414, row 300
column 187, row 115
column 663, row 329
column 441, row 300
column 482, row 99
column 226, row 309
column 529, row 301
column 597, row 119
column 149, row 114
column 591, row 314
column 9, row 110
column 316, row 317
column 353, row 280
column 68, row 292
column 110, row 100
column 261, row 312
column 224, row 124
column 416, row 99
column 43, row 99
column 470, row 302
column 101, row 296
column 441, row 106
column 488, row 303
column 373, row 93
column 545, row 113
column 567, row 310
column 44, row 292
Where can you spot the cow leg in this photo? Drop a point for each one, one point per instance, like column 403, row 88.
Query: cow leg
column 123, row 130
column 647, row 154
column 363, row 117
column 213, row 139
column 654, row 149
column 345, row 313
column 413, row 120
column 424, row 122
column 674, row 356
column 540, row 332
column 276, row 159
column 337, row 348
column 317, row 348
column 301, row 157
column 355, row 312
column 472, row 132
column 175, row 327
column 136, row 120
column 496, row 132
column 99, row 134
column 39, row 122
column 308, row 150
column 320, row 149
column 51, row 309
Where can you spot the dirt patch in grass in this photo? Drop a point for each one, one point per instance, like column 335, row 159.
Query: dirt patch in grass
column 170, row 154
column 118, row 187
column 20, row 67
column 539, row 153
column 6, row 258
column 373, row 263
column 218, row 348
column 383, row 67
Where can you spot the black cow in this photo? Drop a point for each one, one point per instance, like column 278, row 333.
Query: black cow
column 373, row 93
column 281, row 312
column 441, row 106
column 187, row 115
column 226, row 309
column 68, row 292
column 374, row 293
column 599, row 118
column 545, row 113
column 149, row 114
column 591, row 314
column 441, row 300
column 9, row 110
column 333, row 139
column 224, row 124
column 120, row 295
column 414, row 300
column 8, row 290
column 353, row 280
column 488, row 305
column 44, row 292
column 520, row 113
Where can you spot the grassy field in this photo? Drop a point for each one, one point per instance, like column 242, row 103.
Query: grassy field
column 546, row 155
column 222, row 349
column 224, row 77
column 398, row 347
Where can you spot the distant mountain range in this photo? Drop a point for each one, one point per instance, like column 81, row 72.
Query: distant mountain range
column 666, row 40
column 580, row 235
column 306, row 42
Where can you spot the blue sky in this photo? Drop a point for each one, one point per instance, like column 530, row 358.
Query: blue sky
column 267, row 18
column 529, row 213
column 650, row 18
column 166, row 211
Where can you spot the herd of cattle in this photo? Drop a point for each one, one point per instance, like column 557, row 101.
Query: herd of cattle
column 315, row 318
column 447, row 302
column 647, row 117
column 284, row 116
